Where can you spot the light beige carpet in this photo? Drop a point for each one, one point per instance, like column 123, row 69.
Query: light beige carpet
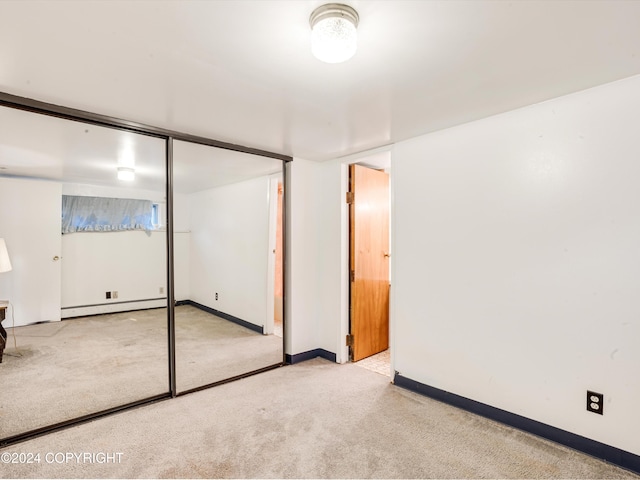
column 210, row 349
column 311, row 420
column 84, row 365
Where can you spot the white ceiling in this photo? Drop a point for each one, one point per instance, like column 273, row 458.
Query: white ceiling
column 44, row 147
column 200, row 167
column 241, row 71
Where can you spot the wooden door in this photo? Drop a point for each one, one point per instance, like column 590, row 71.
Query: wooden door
column 369, row 261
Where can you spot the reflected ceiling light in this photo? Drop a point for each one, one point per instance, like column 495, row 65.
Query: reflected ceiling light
column 126, row 174
column 126, row 158
column 334, row 38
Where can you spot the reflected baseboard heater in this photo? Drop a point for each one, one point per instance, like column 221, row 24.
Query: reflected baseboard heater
column 146, row 304
column 113, row 307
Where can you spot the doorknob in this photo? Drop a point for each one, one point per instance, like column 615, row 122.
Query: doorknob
column 56, row 258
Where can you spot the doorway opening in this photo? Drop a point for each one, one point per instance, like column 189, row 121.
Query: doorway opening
column 369, row 265
column 274, row 322
column 379, row 363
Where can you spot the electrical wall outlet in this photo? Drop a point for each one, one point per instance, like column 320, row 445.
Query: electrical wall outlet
column 595, row 402
column 216, row 295
column 161, row 290
column 107, row 295
column 114, row 294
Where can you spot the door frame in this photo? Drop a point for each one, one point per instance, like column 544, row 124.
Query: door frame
column 274, row 181
column 369, row 156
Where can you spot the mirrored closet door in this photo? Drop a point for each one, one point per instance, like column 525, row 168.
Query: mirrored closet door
column 82, row 213
column 228, row 263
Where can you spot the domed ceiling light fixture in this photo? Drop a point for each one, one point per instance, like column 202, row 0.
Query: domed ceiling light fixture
column 334, row 38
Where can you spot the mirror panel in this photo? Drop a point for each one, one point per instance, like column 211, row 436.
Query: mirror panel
column 70, row 350
column 228, row 262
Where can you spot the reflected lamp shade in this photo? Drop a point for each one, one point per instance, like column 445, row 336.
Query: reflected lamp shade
column 334, row 38
column 5, row 263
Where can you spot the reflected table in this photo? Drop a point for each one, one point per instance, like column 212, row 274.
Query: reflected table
column 3, row 332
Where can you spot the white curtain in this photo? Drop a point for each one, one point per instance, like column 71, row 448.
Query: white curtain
column 101, row 214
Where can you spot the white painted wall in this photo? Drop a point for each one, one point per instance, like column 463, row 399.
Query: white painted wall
column 86, row 190
column 182, row 245
column 303, row 254
column 131, row 263
column 316, row 254
column 329, row 201
column 229, row 249
column 30, row 224
column 517, row 261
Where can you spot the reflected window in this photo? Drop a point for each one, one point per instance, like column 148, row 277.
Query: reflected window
column 155, row 215
column 102, row 214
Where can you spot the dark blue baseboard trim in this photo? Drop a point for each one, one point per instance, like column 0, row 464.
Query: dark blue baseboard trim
column 596, row 449
column 226, row 316
column 301, row 357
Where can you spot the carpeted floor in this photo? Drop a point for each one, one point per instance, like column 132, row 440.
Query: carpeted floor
column 75, row 367
column 210, row 349
column 311, row 420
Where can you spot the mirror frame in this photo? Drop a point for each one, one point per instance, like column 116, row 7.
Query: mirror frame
column 67, row 113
